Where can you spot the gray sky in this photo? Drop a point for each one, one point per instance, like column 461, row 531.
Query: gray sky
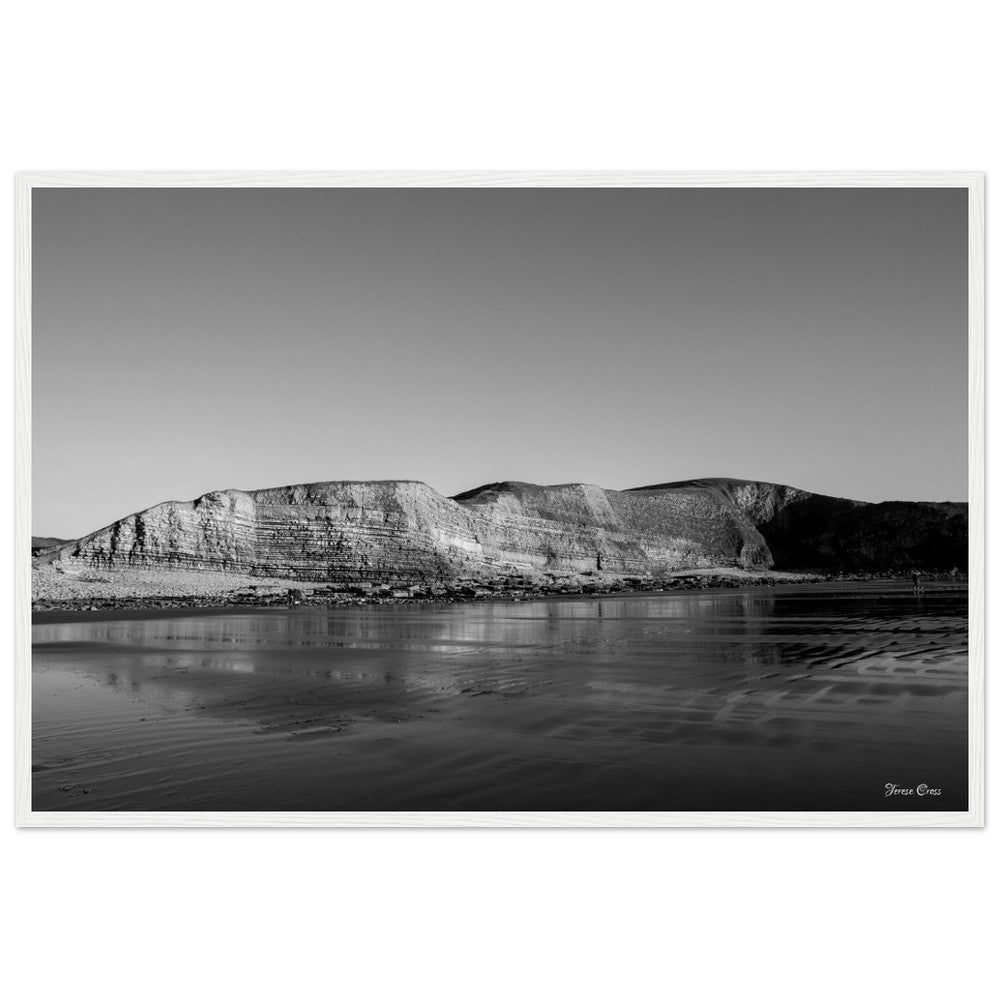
column 190, row 340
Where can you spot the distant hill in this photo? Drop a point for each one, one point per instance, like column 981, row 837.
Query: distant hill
column 41, row 542
column 401, row 529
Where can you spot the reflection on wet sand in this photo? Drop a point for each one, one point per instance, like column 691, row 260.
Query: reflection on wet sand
column 798, row 699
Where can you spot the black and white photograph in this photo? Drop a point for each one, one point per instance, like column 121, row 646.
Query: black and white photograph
column 500, row 499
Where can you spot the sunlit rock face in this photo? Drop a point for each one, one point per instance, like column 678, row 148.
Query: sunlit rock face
column 403, row 530
column 317, row 531
column 580, row 527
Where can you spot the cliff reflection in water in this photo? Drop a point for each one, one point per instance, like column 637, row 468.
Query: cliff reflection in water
column 795, row 699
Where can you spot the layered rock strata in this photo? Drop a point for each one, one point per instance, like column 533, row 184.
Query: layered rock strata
column 405, row 531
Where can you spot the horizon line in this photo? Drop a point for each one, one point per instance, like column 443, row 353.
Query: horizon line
column 483, row 486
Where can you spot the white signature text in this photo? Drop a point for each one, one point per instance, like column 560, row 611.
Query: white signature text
column 892, row 789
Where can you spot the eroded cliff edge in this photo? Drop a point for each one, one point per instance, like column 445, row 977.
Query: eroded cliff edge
column 405, row 531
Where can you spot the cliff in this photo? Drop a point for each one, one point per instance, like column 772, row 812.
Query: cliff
column 404, row 530
column 829, row 533
column 581, row 527
column 810, row 531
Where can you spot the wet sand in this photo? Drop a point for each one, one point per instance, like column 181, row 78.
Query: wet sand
column 803, row 698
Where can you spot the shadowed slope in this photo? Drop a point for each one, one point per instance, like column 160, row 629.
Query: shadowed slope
column 811, row 531
column 828, row 533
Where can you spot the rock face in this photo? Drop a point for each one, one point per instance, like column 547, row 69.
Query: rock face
column 580, row 527
column 317, row 531
column 810, row 531
column 405, row 531
column 828, row 533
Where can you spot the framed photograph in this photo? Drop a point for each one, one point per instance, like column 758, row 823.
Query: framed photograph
column 500, row 499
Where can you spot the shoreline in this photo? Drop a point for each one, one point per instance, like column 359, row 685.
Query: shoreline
column 300, row 594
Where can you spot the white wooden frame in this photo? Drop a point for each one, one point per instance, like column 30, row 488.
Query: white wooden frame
column 27, row 182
